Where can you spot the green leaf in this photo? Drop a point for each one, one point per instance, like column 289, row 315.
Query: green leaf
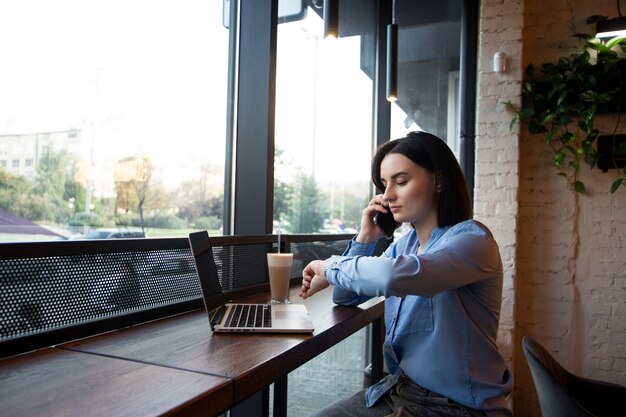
column 579, row 187
column 588, row 95
column 536, row 128
column 563, row 121
column 509, row 105
column 568, row 137
column 615, row 41
column 582, row 59
column 513, row 121
column 530, row 70
column 551, row 133
column 563, row 174
column 591, row 155
column 527, row 88
column 559, row 157
column 604, row 98
column 526, row 113
column 589, row 80
column 616, row 184
column 546, row 118
column 605, row 54
column 588, row 114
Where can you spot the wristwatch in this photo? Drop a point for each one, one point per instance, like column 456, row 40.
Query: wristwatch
column 331, row 263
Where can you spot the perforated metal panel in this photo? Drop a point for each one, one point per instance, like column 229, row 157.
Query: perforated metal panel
column 242, row 265
column 48, row 292
column 53, row 292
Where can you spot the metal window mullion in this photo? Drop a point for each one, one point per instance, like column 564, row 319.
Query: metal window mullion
column 467, row 87
column 254, row 151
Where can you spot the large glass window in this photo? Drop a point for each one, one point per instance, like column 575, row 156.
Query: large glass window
column 323, row 130
column 112, row 118
column 323, row 151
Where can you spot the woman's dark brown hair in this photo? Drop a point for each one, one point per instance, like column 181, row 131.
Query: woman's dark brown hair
column 433, row 154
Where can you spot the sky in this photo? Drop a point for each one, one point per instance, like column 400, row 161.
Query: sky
column 150, row 77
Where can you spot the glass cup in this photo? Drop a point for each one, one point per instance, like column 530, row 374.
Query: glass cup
column 279, row 267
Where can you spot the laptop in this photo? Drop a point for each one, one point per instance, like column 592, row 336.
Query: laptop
column 241, row 317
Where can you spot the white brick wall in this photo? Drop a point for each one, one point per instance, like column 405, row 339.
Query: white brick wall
column 564, row 255
column 496, row 146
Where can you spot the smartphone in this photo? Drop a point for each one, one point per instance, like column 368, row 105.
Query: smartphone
column 386, row 223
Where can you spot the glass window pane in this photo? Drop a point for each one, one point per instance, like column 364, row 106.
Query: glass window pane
column 429, row 40
column 323, row 125
column 323, row 139
column 112, row 118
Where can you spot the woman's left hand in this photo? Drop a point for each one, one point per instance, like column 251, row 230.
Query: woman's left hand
column 313, row 279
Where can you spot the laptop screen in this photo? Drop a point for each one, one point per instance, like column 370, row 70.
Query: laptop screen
column 206, row 269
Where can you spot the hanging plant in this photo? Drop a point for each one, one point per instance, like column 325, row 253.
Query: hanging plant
column 562, row 99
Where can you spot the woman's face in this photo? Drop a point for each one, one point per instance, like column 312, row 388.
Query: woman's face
column 409, row 189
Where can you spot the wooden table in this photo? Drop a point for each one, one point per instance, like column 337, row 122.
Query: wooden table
column 57, row 382
column 184, row 346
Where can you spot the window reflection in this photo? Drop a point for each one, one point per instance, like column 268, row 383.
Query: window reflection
column 429, row 40
column 112, row 116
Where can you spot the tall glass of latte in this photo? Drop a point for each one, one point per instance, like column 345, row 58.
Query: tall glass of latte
column 279, row 265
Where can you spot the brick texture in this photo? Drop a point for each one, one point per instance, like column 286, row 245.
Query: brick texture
column 564, row 254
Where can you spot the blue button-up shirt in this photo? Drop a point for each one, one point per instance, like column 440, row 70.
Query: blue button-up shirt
column 442, row 309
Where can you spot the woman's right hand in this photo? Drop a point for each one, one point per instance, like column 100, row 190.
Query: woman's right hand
column 369, row 231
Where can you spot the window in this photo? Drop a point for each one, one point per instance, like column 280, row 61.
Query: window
column 120, row 106
column 429, row 41
column 323, row 130
column 323, row 151
column 28, row 162
column 3, row 163
column 15, row 163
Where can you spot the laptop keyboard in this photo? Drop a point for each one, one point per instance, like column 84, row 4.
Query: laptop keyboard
column 250, row 315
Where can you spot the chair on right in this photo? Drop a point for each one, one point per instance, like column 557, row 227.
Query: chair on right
column 563, row 394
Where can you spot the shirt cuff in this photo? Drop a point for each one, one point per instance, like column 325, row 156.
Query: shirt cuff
column 359, row 248
column 332, row 263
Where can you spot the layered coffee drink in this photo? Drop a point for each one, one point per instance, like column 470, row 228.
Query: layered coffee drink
column 279, row 267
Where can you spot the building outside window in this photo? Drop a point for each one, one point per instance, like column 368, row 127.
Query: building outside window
column 87, row 85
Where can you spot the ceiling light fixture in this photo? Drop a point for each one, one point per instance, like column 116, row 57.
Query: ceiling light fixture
column 331, row 19
column 611, row 28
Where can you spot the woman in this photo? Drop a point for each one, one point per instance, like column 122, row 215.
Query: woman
column 442, row 283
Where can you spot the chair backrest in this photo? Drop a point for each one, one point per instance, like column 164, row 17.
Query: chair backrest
column 552, row 382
